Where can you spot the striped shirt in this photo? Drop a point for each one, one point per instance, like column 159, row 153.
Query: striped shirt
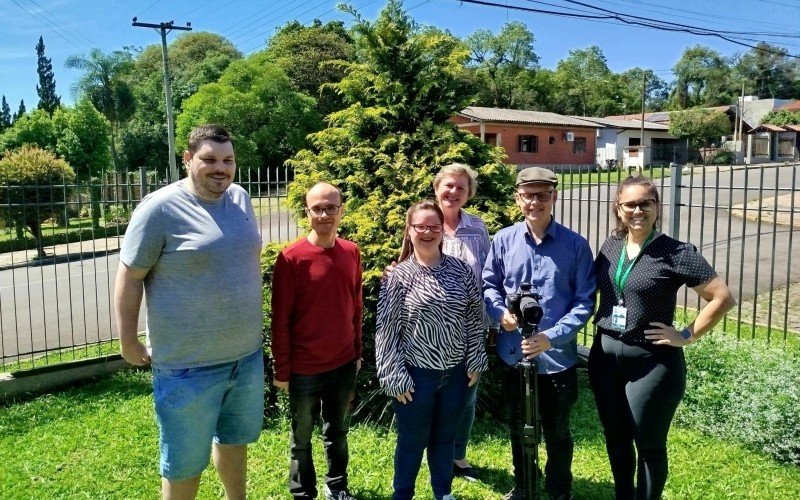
column 429, row 318
column 470, row 243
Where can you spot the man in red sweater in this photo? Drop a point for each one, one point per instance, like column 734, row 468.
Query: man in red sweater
column 316, row 340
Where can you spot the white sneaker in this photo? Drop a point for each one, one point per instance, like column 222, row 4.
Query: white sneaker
column 449, row 496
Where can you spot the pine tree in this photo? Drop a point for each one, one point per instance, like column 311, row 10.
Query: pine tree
column 5, row 115
column 20, row 112
column 48, row 100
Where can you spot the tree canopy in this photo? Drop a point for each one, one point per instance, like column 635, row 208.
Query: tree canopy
column 46, row 89
column 256, row 102
column 700, row 126
column 34, row 183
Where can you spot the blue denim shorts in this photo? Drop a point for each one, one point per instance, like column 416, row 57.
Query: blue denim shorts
column 221, row 403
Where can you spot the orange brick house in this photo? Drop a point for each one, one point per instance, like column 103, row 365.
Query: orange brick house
column 533, row 138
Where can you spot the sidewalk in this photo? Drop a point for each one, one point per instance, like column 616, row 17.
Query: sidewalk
column 771, row 212
column 57, row 254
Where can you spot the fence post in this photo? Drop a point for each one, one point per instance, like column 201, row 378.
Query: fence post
column 675, row 200
column 142, row 182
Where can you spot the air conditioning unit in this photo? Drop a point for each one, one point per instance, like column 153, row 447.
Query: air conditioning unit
column 569, row 136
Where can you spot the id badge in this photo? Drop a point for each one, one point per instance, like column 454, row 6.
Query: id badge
column 619, row 317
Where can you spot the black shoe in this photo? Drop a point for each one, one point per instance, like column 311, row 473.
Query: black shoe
column 337, row 494
column 468, row 473
column 562, row 496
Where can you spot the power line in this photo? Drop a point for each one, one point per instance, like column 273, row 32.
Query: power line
column 635, row 21
column 55, row 28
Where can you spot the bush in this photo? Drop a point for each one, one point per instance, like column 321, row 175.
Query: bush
column 743, row 391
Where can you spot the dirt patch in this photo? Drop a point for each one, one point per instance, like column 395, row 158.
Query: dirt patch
column 762, row 308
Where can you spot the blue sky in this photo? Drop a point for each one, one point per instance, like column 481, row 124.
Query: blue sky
column 76, row 26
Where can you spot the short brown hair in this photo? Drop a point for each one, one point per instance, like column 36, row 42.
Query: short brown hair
column 207, row 132
column 458, row 169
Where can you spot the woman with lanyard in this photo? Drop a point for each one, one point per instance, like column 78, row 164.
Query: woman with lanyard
column 636, row 364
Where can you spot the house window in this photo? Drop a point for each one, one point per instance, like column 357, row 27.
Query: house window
column 490, row 139
column 579, row 145
column 761, row 146
column 785, row 146
column 528, row 144
column 633, row 146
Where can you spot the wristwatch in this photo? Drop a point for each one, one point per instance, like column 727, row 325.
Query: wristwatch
column 686, row 333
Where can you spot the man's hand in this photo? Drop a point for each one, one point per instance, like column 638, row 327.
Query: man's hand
column 282, row 386
column 534, row 346
column 473, row 378
column 405, row 397
column 508, row 321
column 135, row 353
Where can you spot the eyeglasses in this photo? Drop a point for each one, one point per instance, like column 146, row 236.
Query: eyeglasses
column 644, row 205
column 542, row 196
column 421, row 228
column 320, row 211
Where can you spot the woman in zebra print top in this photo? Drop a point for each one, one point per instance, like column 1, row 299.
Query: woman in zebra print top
column 429, row 349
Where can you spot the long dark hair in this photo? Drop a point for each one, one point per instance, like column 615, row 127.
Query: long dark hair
column 635, row 180
column 408, row 247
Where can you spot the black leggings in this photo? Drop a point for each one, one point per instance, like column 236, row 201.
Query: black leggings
column 637, row 389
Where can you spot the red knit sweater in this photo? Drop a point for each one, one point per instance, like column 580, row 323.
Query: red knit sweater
column 316, row 308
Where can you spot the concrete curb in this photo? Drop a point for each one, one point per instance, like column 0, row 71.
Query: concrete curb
column 25, row 384
column 58, row 259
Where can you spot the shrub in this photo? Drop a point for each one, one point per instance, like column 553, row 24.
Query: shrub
column 743, row 391
column 33, row 187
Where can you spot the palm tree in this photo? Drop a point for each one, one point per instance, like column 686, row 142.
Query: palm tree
column 103, row 82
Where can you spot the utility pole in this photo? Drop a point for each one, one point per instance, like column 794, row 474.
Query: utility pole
column 163, row 29
column 641, row 132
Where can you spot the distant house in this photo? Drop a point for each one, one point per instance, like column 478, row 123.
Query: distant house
column 619, row 142
column 534, row 138
column 793, row 106
column 772, row 143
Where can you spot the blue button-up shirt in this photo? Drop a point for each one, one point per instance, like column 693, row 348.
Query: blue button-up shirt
column 561, row 270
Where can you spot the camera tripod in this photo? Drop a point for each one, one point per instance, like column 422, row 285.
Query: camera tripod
column 530, row 425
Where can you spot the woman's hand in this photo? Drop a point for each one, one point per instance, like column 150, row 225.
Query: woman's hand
column 405, row 397
column 473, row 378
column 666, row 335
column 388, row 270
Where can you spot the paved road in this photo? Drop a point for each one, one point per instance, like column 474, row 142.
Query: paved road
column 60, row 303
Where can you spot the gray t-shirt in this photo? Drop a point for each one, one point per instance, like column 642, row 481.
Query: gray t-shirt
column 203, row 291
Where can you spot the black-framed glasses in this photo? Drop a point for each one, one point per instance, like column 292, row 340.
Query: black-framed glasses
column 542, row 196
column 320, row 211
column 645, row 206
column 421, row 228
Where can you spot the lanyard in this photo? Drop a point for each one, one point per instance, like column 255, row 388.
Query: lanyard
column 621, row 276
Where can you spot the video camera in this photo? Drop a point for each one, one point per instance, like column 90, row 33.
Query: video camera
column 525, row 306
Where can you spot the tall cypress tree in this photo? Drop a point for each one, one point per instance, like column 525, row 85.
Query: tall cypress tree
column 5, row 115
column 20, row 112
column 48, row 100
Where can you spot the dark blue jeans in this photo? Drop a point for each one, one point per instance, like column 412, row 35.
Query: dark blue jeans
column 465, row 424
column 558, row 393
column 429, row 422
column 329, row 392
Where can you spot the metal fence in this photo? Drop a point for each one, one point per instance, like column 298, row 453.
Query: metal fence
column 59, row 307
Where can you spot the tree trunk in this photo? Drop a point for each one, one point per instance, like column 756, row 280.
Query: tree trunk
column 36, row 229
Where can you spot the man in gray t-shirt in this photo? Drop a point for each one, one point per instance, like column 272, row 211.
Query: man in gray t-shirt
column 192, row 249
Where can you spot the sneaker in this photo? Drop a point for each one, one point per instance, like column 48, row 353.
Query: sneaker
column 468, row 473
column 337, row 494
column 448, row 497
column 514, row 494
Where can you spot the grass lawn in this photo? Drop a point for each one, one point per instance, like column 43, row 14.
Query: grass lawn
column 568, row 180
column 100, row 441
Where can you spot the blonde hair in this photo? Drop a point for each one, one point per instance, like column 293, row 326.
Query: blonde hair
column 408, row 247
column 458, row 169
